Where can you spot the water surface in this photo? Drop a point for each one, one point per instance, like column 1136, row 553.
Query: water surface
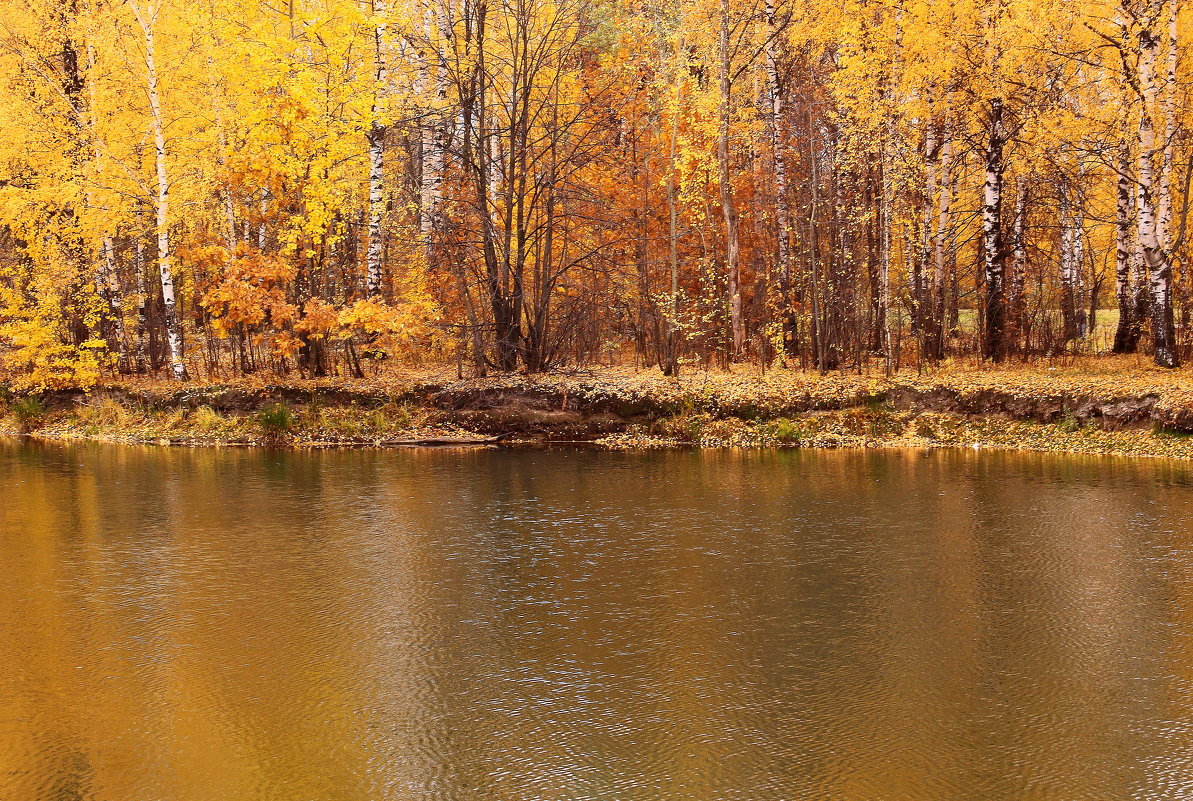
column 564, row 625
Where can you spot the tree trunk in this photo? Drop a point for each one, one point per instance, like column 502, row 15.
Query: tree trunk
column 110, row 291
column 1126, row 335
column 147, row 19
column 1156, row 259
column 670, row 361
column 885, row 207
column 141, row 355
column 1017, row 298
column 107, row 279
column 1068, row 264
column 375, row 137
column 728, row 210
column 778, row 120
column 918, row 277
column 1080, row 307
column 506, row 323
column 995, row 306
column 432, row 131
column 1167, row 157
column 940, row 250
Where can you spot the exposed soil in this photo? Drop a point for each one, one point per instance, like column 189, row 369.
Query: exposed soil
column 1141, row 412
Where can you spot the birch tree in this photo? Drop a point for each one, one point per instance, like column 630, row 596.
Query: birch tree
column 1153, row 193
column 147, row 16
column 993, row 248
column 375, row 136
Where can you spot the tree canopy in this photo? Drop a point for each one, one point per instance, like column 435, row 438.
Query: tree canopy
column 233, row 186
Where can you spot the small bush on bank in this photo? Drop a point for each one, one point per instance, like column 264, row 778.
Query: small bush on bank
column 1068, row 423
column 276, row 421
column 28, row 412
column 784, row 431
column 683, row 427
column 393, row 417
column 206, row 420
column 105, row 415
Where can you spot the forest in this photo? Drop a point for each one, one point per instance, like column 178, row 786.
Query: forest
column 322, row 187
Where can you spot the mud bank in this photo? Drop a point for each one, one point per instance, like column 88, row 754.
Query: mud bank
column 1140, row 413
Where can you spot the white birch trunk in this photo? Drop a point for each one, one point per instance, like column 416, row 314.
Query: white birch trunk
column 1067, row 275
column 263, row 210
column 1155, row 258
column 1080, row 304
column 375, row 137
column 115, row 308
column 992, row 246
column 147, row 19
column 779, row 147
column 1164, row 201
column 1019, row 254
column 141, row 348
column 432, row 132
column 943, row 219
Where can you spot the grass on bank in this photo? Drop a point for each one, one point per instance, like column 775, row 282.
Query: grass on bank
column 277, row 423
column 885, row 428
column 747, row 389
column 743, row 407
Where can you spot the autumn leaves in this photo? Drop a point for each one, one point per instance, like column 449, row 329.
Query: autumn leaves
column 226, row 188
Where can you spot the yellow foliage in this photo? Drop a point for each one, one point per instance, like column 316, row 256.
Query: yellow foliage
column 41, row 361
column 247, row 288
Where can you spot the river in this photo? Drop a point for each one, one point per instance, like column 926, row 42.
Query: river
column 556, row 625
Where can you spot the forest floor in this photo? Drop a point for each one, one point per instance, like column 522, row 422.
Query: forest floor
column 1116, row 405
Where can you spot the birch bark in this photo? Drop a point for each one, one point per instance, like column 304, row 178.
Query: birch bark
column 994, row 256
column 1068, row 275
column 147, row 17
column 433, row 131
column 779, row 149
column 375, row 137
column 1168, row 109
column 1156, row 259
column 1017, row 296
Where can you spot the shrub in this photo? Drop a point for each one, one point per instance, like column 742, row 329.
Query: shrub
column 684, row 427
column 391, row 417
column 1068, row 423
column 106, row 414
column 784, row 430
column 276, row 421
column 206, row 419
column 28, row 412
column 875, row 402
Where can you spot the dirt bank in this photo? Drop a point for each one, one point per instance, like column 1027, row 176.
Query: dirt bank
column 1114, row 408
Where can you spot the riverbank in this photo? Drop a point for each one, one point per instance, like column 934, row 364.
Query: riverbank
column 1101, row 406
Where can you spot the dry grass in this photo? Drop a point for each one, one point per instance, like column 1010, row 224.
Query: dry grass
column 739, row 407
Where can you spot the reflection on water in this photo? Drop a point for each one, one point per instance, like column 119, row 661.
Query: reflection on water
column 487, row 625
